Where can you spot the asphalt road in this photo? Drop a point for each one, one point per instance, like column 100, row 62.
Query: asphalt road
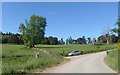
column 89, row 63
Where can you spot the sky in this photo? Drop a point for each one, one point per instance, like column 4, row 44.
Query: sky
column 64, row 19
column 60, row 0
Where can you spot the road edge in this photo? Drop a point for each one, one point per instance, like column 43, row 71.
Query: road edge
column 108, row 65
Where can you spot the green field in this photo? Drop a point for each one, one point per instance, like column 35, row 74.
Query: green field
column 112, row 60
column 19, row 59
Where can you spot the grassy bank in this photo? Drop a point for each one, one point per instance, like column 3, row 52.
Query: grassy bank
column 112, row 60
column 18, row 59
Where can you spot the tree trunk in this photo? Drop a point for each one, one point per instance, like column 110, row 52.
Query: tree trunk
column 33, row 45
column 118, row 31
column 107, row 42
column 118, row 36
column 30, row 46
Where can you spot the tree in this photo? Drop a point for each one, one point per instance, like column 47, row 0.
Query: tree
column 117, row 30
column 53, row 40
column 102, row 39
column 69, row 40
column 114, row 38
column 33, row 30
column 83, row 40
column 107, row 35
column 45, row 41
column 89, row 40
column 79, row 40
column 61, row 41
column 94, row 41
column 4, row 39
column 13, row 39
column 74, row 41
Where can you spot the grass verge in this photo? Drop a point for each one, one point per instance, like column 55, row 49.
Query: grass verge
column 112, row 60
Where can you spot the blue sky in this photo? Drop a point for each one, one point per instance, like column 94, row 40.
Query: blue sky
column 75, row 19
column 60, row 0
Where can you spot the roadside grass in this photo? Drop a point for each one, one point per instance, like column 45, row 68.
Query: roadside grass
column 112, row 60
column 0, row 59
column 19, row 59
column 118, row 61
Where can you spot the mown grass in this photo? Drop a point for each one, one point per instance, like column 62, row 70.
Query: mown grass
column 18, row 59
column 113, row 60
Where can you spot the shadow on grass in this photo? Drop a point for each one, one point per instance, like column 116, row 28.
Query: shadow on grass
column 14, row 56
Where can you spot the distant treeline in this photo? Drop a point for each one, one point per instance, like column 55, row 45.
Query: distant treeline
column 11, row 38
column 102, row 39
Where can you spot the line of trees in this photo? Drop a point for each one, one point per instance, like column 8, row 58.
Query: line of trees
column 102, row 39
column 108, row 39
column 33, row 31
column 81, row 40
column 52, row 41
column 117, row 30
column 12, row 38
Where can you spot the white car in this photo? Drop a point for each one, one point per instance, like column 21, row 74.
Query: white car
column 76, row 52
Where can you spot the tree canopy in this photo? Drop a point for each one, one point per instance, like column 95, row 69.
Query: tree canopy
column 33, row 30
column 117, row 30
